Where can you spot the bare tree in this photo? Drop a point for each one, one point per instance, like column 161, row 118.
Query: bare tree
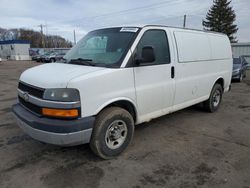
column 51, row 41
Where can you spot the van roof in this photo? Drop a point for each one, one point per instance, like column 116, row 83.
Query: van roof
column 164, row 26
column 205, row 31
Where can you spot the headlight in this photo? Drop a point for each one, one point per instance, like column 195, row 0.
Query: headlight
column 62, row 94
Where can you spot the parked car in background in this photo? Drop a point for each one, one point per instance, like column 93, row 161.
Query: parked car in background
column 50, row 58
column 55, row 55
column 239, row 68
column 41, row 57
column 38, row 58
column 247, row 58
column 35, row 57
column 60, row 56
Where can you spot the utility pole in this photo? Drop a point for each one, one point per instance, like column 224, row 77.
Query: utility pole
column 74, row 37
column 184, row 21
column 41, row 26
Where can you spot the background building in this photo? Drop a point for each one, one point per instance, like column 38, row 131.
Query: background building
column 241, row 49
column 15, row 49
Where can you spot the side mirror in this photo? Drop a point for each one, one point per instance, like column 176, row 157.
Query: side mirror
column 147, row 55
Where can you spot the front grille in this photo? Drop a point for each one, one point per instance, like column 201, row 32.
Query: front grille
column 32, row 107
column 32, row 90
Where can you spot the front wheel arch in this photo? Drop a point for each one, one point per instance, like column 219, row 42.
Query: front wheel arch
column 122, row 103
column 104, row 120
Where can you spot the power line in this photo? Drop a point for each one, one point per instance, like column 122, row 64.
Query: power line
column 138, row 9
column 87, row 23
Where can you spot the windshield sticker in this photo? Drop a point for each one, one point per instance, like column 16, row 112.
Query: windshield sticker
column 129, row 29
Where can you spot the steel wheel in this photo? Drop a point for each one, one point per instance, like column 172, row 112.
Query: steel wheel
column 112, row 133
column 213, row 103
column 116, row 134
column 216, row 98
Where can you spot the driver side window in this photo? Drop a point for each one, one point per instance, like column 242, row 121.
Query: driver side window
column 158, row 40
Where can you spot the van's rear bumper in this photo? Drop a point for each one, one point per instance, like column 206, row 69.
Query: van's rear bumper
column 54, row 131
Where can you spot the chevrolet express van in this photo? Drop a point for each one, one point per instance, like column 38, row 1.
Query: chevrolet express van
column 115, row 78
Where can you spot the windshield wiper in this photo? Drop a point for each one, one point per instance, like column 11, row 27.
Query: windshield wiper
column 81, row 61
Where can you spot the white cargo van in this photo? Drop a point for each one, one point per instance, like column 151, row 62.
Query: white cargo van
column 115, row 78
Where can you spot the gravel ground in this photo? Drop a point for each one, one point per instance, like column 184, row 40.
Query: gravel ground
column 189, row 148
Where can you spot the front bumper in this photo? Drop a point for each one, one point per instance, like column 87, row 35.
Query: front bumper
column 54, row 131
column 236, row 75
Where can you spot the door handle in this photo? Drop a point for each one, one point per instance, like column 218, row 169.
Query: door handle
column 172, row 72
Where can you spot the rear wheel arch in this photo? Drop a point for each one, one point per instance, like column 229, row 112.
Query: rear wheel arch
column 218, row 84
column 219, row 81
column 214, row 100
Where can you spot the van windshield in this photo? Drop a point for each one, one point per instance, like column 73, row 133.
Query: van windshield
column 104, row 47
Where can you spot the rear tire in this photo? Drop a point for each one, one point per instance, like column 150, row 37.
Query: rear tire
column 112, row 133
column 214, row 101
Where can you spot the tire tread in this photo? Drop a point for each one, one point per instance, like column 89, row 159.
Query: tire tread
column 101, row 117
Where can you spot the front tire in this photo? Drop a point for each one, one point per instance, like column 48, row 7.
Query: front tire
column 112, row 133
column 214, row 101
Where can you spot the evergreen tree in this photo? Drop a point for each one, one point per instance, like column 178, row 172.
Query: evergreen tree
column 220, row 18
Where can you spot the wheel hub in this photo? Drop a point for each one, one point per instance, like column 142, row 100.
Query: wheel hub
column 216, row 98
column 116, row 134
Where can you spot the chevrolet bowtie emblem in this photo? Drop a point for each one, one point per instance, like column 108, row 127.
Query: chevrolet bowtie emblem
column 26, row 96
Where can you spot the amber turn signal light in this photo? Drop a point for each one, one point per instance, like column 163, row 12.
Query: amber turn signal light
column 69, row 113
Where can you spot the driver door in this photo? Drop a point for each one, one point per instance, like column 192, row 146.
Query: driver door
column 153, row 83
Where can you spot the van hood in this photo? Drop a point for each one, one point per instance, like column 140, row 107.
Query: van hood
column 55, row 75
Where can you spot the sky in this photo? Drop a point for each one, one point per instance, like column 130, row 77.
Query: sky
column 62, row 17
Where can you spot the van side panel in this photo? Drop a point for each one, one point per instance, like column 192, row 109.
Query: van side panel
column 221, row 52
column 220, row 47
column 202, row 59
column 192, row 46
